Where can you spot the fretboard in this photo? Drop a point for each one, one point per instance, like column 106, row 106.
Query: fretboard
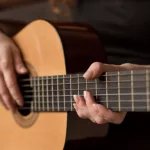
column 118, row 91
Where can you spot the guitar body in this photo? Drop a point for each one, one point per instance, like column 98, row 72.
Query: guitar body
column 48, row 49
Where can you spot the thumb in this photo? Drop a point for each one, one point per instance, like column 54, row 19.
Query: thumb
column 94, row 71
column 19, row 65
column 97, row 68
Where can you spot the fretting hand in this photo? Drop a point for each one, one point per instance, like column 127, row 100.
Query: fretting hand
column 87, row 108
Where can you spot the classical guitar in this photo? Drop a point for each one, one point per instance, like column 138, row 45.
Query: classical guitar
column 57, row 55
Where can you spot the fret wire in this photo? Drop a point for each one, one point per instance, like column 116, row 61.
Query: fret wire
column 86, row 85
column 96, row 87
column 31, row 83
column 78, row 84
column 132, row 90
column 106, row 91
column 43, row 92
column 119, row 90
column 35, row 93
column 47, row 96
column 38, row 93
column 128, row 109
column 147, row 90
column 71, row 93
column 64, row 93
column 58, row 94
column 52, row 94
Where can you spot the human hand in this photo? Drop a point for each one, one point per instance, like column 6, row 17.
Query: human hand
column 10, row 64
column 87, row 108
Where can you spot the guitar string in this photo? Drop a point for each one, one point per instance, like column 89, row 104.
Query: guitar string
column 80, row 75
column 114, row 94
column 101, row 101
column 115, row 108
column 102, row 89
column 92, row 82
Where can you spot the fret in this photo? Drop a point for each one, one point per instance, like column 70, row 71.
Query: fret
column 31, row 84
column 58, row 107
column 82, row 86
column 61, row 93
column 107, row 106
column 125, row 87
column 64, row 92
column 78, row 85
column 96, row 88
column 71, row 95
column 68, row 102
column 47, row 93
column 147, row 90
column 52, row 88
column 35, row 103
column 132, row 90
column 38, row 93
column 74, row 84
column 55, row 96
column 119, row 91
column 139, row 93
column 43, row 95
column 112, row 89
column 86, row 84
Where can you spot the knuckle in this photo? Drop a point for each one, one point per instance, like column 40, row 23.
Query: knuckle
column 97, row 69
column 97, row 65
column 127, row 65
column 12, row 85
column 4, row 64
column 99, row 120
column 7, row 47
column 80, row 115
column 3, row 93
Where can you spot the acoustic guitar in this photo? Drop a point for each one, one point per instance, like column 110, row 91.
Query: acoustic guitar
column 57, row 55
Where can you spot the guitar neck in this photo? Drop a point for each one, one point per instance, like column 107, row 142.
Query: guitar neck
column 118, row 91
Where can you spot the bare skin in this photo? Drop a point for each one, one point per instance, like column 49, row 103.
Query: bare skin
column 10, row 64
column 86, row 106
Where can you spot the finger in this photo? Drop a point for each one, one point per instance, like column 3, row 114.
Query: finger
column 79, row 101
column 5, row 96
column 95, row 110
column 81, row 107
column 7, row 68
column 97, row 68
column 89, row 99
column 94, row 71
column 3, row 104
column 18, row 62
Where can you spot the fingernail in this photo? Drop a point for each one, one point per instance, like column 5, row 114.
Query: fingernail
column 23, row 70
column 20, row 103
column 76, row 98
column 85, row 94
column 87, row 74
column 94, row 105
column 75, row 106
